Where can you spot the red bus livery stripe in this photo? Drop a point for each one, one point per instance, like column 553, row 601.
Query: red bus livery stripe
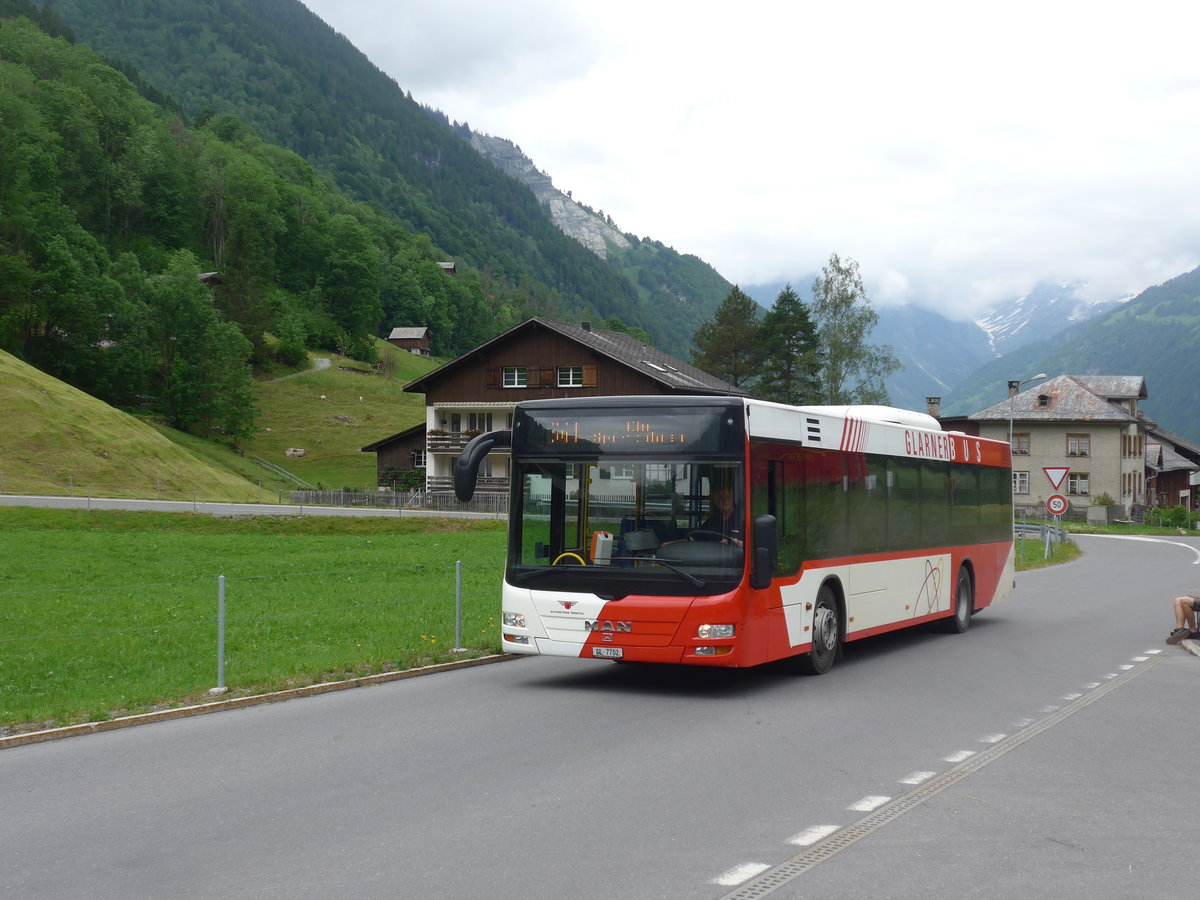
column 854, row 434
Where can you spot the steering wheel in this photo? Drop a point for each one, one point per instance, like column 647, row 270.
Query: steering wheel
column 715, row 534
column 568, row 557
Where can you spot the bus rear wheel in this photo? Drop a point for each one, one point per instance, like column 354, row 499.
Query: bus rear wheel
column 826, row 632
column 964, row 604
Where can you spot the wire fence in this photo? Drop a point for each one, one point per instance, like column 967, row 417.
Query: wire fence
column 69, row 485
column 96, row 650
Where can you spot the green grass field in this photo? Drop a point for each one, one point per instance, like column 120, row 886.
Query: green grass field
column 108, row 613
column 56, row 440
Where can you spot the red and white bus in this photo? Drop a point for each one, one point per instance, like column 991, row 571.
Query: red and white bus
column 846, row 522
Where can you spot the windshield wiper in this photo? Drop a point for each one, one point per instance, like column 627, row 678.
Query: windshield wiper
column 692, row 579
column 687, row 576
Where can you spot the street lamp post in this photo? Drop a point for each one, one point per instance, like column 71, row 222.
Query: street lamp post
column 1014, row 388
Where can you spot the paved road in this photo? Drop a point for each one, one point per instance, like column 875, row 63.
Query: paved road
column 1046, row 752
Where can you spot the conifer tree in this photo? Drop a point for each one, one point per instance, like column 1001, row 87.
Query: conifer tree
column 726, row 346
column 791, row 357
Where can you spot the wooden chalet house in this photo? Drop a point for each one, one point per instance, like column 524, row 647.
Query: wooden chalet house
column 537, row 359
column 414, row 340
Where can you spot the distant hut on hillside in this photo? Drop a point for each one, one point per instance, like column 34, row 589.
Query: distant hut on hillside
column 414, row 340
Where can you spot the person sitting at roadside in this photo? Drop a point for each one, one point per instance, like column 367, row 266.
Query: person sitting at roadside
column 1185, row 618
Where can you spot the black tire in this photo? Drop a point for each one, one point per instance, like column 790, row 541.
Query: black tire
column 826, row 634
column 964, row 604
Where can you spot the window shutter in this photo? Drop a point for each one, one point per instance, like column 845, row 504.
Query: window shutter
column 589, row 376
column 547, row 378
column 493, row 378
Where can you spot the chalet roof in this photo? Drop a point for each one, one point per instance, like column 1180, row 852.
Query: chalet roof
column 1180, row 445
column 667, row 370
column 1070, row 398
column 1163, row 458
column 409, row 334
column 407, row 432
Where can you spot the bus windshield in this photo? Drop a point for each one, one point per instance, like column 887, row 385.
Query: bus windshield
column 609, row 524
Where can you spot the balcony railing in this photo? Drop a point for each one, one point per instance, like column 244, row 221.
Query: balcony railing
column 453, row 443
column 485, row 484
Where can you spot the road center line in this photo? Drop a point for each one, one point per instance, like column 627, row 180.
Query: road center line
column 773, row 879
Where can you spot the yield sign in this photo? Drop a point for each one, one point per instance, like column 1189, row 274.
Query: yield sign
column 1056, row 474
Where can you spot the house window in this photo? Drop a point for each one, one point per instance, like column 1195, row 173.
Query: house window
column 1043, row 401
column 515, row 377
column 1079, row 445
column 1077, row 483
column 1020, row 482
column 479, row 421
column 570, row 376
column 1020, row 444
column 418, row 459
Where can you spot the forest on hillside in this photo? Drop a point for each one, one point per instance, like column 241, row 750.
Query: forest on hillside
column 300, row 85
column 112, row 207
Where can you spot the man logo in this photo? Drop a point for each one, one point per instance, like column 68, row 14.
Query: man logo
column 608, row 625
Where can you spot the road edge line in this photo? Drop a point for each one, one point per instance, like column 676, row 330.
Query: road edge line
column 182, row 712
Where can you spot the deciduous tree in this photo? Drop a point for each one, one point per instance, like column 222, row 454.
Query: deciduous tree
column 852, row 370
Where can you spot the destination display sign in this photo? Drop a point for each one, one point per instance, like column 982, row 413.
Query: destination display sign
column 608, row 432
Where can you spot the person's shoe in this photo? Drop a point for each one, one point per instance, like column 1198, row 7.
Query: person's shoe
column 1177, row 635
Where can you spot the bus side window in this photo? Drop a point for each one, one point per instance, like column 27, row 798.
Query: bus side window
column 781, row 505
column 904, row 504
column 776, row 491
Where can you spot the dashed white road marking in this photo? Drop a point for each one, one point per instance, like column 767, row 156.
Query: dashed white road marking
column 869, row 804
column 992, row 738
column 958, row 756
column 738, row 874
column 1092, row 685
column 811, row 835
column 1023, row 723
column 1152, row 652
column 1072, row 696
column 1140, row 658
column 917, row 777
column 1051, row 708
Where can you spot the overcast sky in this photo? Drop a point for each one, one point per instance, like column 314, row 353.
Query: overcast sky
column 960, row 152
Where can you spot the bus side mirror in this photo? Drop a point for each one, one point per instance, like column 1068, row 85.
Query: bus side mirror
column 466, row 468
column 766, row 551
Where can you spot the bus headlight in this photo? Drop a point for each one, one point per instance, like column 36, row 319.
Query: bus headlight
column 715, row 631
column 514, row 620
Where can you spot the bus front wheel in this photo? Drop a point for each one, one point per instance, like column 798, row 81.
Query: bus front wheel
column 826, row 631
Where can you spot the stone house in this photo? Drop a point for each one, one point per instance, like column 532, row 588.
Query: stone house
column 1089, row 432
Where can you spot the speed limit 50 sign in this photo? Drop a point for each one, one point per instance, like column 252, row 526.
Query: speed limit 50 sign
column 1056, row 504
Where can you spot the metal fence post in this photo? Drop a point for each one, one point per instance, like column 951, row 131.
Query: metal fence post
column 220, row 688
column 458, row 605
